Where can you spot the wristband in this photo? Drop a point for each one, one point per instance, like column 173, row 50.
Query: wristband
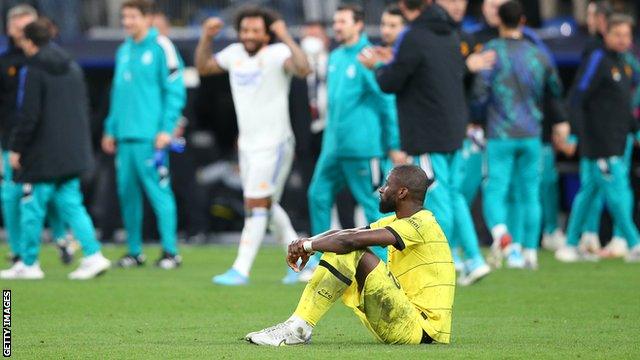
column 307, row 246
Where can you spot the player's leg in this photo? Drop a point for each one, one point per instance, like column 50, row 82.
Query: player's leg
column 257, row 169
column 553, row 236
column 614, row 180
column 528, row 170
column 515, row 223
column 11, row 193
column 156, row 182
column 500, row 163
column 472, row 180
column 464, row 228
column 67, row 200
column 583, row 204
column 617, row 247
column 590, row 237
column 33, row 209
column 438, row 199
column 58, row 230
column 364, row 177
column 131, row 203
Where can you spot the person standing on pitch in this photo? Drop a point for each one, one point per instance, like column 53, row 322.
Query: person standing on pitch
column 11, row 62
column 361, row 128
column 601, row 106
column 260, row 75
column 147, row 98
column 510, row 98
column 425, row 70
column 50, row 147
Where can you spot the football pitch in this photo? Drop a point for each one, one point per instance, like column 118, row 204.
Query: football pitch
column 588, row 310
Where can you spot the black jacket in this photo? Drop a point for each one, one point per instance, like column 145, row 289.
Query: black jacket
column 601, row 104
column 427, row 78
column 53, row 131
column 11, row 61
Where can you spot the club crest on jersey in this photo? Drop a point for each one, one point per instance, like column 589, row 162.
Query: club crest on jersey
column 27, row 192
column 12, row 71
column 464, row 48
column 615, row 74
column 628, row 70
column 351, row 71
column 147, row 57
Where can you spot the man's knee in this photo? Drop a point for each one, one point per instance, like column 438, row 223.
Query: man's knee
column 366, row 265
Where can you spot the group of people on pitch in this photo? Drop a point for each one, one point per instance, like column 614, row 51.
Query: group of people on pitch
column 421, row 103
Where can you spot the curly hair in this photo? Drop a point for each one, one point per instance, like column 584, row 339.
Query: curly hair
column 268, row 16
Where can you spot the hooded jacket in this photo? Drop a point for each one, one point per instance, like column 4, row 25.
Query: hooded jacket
column 427, row 76
column 52, row 132
column 11, row 61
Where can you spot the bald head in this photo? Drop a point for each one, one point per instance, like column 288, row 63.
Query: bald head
column 405, row 184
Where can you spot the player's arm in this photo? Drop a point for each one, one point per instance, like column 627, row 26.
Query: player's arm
column 29, row 103
column 297, row 64
column 205, row 62
column 339, row 242
column 393, row 76
column 174, row 93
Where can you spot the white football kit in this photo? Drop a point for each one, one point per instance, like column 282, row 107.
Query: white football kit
column 260, row 88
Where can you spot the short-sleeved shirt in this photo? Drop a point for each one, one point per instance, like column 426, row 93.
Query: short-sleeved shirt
column 260, row 87
column 421, row 262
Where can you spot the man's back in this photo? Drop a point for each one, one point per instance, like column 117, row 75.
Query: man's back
column 513, row 90
column 53, row 130
column 427, row 77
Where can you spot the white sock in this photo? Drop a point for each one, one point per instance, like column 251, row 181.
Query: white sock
column 255, row 225
column 498, row 231
column 300, row 327
column 281, row 226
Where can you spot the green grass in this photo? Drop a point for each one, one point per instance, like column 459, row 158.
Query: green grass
column 561, row 311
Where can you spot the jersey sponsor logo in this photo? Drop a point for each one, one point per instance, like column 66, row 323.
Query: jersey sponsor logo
column 415, row 223
column 147, row 57
column 615, row 74
column 247, row 78
column 325, row 294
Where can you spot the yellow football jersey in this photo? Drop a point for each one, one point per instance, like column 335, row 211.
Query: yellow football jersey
column 421, row 262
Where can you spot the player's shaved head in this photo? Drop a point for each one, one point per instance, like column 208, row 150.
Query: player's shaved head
column 405, row 184
column 414, row 179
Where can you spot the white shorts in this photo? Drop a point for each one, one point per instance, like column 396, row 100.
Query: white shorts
column 264, row 172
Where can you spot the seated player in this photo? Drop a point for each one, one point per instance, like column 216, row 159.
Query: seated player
column 408, row 301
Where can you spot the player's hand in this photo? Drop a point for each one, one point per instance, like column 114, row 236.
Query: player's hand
column 368, row 58
column 279, row 29
column 108, row 145
column 384, row 54
column 14, row 160
column 398, row 157
column 296, row 251
column 211, row 27
column 163, row 140
column 481, row 61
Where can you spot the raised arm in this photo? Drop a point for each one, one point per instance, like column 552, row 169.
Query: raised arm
column 205, row 62
column 297, row 64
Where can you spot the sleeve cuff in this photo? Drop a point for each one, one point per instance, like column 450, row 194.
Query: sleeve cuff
column 399, row 243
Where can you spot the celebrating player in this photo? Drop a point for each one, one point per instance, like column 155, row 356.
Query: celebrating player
column 260, row 75
column 148, row 95
column 407, row 302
